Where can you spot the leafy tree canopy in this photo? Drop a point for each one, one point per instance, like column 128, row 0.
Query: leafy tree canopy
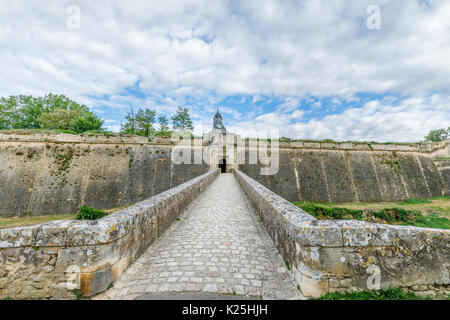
column 163, row 124
column 129, row 127
column 437, row 135
column 145, row 120
column 182, row 121
column 140, row 123
column 48, row 112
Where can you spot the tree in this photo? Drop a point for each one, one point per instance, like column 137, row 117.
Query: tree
column 163, row 124
column 88, row 122
column 182, row 121
column 48, row 112
column 140, row 123
column 437, row 135
column 144, row 122
column 130, row 125
column 59, row 119
column 20, row 112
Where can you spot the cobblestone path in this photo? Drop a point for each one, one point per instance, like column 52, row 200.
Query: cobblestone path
column 217, row 247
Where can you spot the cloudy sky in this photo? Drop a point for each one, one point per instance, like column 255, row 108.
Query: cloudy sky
column 312, row 69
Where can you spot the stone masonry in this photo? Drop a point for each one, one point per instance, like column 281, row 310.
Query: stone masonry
column 217, row 246
column 51, row 259
column 342, row 255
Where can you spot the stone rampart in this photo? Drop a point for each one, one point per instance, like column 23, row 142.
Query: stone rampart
column 53, row 173
column 355, row 172
column 43, row 174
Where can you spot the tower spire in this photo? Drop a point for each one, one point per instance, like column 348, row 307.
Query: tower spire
column 217, row 122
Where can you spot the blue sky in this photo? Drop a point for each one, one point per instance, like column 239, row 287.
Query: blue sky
column 312, row 69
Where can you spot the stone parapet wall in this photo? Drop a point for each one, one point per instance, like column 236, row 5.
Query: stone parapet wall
column 50, row 260
column 37, row 136
column 91, row 138
column 352, row 175
column 328, row 256
column 42, row 178
column 32, row 136
column 443, row 166
column 364, row 146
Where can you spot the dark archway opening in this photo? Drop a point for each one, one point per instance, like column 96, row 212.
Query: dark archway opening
column 223, row 165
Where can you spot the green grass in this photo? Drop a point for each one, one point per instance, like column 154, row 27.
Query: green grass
column 28, row 220
column 432, row 221
column 425, row 213
column 388, row 294
column 78, row 295
column 99, row 132
column 441, row 198
column 287, row 264
column 166, row 134
column 414, row 201
column 89, row 132
column 37, row 130
column 14, row 222
column 333, row 213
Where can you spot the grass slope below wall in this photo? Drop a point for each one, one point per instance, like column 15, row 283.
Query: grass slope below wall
column 388, row 294
column 425, row 213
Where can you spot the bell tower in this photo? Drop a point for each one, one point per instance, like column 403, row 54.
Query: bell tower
column 217, row 122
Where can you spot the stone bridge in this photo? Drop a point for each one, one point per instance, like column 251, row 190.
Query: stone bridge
column 218, row 236
column 217, row 246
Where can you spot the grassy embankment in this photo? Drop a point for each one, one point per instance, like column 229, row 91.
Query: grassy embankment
column 13, row 222
column 426, row 213
column 388, row 294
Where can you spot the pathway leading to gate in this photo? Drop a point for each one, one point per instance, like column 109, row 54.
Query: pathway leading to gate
column 217, row 247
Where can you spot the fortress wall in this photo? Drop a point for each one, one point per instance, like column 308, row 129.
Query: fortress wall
column 47, row 173
column 49, row 260
column 344, row 255
column 443, row 166
column 50, row 174
column 352, row 175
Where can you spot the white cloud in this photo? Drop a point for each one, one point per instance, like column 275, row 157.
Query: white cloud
column 210, row 49
column 289, row 104
column 375, row 121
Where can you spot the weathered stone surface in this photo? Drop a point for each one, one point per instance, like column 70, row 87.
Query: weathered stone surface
column 329, row 256
column 44, row 174
column 95, row 282
column 18, row 237
column 347, row 172
column 58, row 173
column 52, row 259
column 218, row 246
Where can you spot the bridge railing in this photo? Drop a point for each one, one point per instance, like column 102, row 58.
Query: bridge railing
column 51, row 260
column 344, row 255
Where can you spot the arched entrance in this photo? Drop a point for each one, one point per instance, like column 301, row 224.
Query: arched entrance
column 223, row 165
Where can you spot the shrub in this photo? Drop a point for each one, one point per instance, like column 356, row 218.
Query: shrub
column 393, row 215
column 164, row 133
column 386, row 215
column 78, row 295
column 333, row 213
column 388, row 294
column 88, row 213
